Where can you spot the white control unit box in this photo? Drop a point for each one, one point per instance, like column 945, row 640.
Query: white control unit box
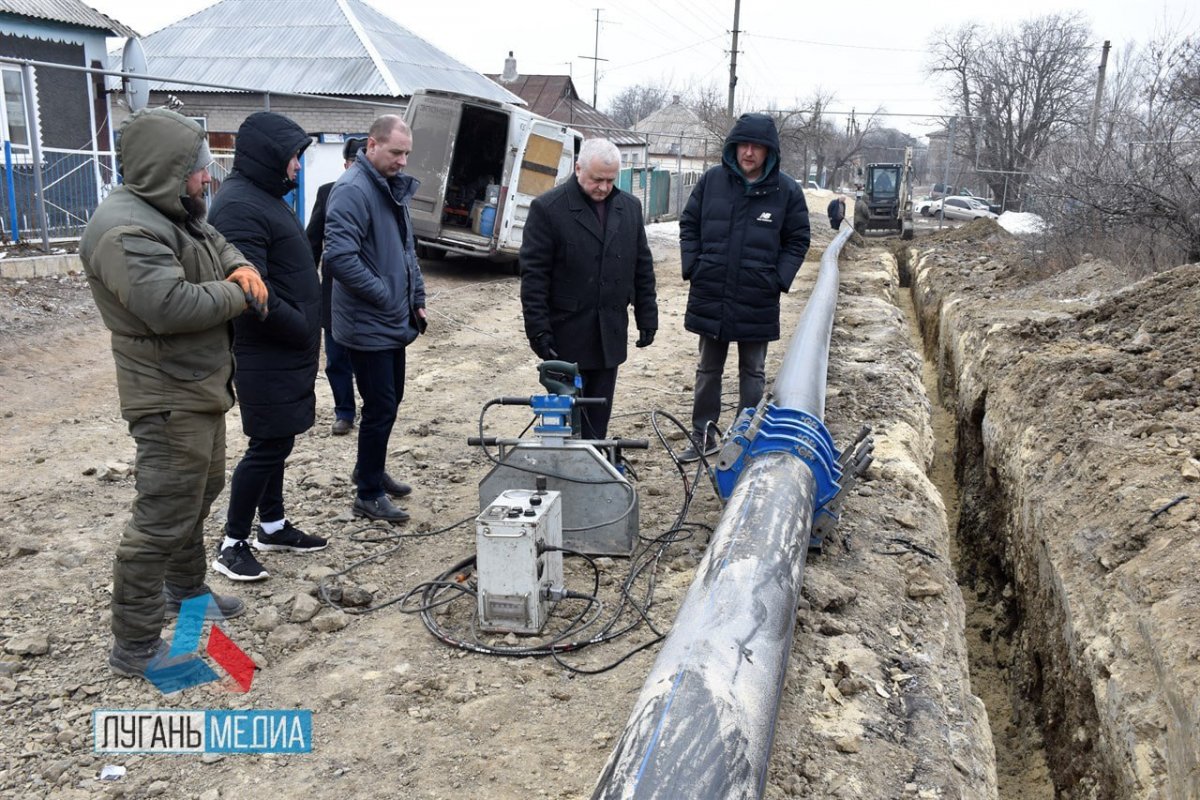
column 515, row 571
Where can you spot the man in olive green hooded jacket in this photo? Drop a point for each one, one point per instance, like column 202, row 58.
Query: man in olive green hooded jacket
column 167, row 285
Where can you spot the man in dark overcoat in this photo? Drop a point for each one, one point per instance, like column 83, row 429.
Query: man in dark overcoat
column 584, row 261
column 743, row 237
column 276, row 354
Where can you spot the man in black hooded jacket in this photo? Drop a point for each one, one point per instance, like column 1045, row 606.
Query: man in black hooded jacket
column 277, row 354
column 743, row 236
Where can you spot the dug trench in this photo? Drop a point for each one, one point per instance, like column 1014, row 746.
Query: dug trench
column 1074, row 395
column 1077, row 427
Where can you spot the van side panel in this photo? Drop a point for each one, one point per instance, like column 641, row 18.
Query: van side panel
column 434, row 122
column 546, row 160
column 539, row 168
column 470, row 153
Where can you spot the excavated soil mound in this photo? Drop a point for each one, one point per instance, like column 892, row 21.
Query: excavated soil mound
column 1079, row 440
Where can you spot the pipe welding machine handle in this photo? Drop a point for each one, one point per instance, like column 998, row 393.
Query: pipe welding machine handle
column 632, row 444
column 488, row 441
column 513, row 401
column 590, row 401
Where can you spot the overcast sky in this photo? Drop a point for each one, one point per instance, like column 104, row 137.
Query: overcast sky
column 870, row 57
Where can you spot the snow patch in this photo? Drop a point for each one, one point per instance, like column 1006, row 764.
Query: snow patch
column 1020, row 222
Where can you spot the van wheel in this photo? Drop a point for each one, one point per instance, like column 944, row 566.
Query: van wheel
column 424, row 252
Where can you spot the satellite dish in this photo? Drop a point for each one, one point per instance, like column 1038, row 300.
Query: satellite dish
column 137, row 90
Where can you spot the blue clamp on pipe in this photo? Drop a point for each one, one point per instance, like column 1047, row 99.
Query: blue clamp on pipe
column 785, row 430
column 555, row 413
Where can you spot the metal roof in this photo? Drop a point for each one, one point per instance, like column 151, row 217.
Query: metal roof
column 337, row 47
column 664, row 128
column 68, row 12
column 541, row 92
column 554, row 96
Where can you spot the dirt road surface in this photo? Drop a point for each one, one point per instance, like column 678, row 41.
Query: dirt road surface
column 878, row 701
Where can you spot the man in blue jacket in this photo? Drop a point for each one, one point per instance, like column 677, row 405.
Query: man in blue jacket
column 743, row 237
column 378, row 303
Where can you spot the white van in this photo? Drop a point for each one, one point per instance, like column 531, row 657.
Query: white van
column 480, row 163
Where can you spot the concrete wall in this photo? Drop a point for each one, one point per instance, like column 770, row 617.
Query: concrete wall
column 40, row 266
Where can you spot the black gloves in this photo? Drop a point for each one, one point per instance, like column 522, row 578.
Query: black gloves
column 543, row 345
column 252, row 305
column 646, row 337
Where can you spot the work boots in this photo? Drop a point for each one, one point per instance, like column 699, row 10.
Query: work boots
column 133, row 659
column 381, row 508
column 699, row 444
column 224, row 606
column 390, row 485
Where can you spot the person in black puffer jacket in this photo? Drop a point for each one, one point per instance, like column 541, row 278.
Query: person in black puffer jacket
column 836, row 212
column 277, row 354
column 743, row 236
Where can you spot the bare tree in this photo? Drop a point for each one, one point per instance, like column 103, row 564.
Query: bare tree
column 1136, row 191
column 1016, row 92
column 637, row 102
column 710, row 102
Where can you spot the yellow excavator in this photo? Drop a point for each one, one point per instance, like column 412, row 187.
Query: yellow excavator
column 885, row 200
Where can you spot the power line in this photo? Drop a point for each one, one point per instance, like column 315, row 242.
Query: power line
column 665, row 55
column 835, row 44
column 680, row 21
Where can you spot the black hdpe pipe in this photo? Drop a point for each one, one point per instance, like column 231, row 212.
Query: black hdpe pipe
column 703, row 725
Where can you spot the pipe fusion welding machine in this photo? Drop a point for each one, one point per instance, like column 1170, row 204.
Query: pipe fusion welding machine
column 545, row 494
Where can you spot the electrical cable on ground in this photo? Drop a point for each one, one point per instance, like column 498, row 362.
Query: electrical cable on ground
column 635, row 592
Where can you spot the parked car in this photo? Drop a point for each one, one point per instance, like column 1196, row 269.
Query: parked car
column 812, row 185
column 979, row 202
column 961, row 208
column 921, row 205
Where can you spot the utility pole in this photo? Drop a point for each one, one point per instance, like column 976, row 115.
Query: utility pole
column 737, row 8
column 596, row 59
column 1099, row 93
column 946, row 171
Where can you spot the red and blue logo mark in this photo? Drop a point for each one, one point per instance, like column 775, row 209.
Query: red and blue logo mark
column 183, row 668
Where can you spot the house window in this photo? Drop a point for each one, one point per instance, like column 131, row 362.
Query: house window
column 12, row 108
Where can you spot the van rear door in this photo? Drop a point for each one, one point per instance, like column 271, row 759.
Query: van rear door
column 542, row 162
column 434, row 122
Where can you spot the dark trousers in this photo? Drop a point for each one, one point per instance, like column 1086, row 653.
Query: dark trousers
column 594, row 419
column 380, row 377
column 257, row 485
column 180, row 472
column 340, row 374
column 752, row 379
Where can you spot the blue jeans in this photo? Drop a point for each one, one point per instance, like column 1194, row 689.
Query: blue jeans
column 380, row 376
column 257, row 485
column 340, row 374
column 752, row 379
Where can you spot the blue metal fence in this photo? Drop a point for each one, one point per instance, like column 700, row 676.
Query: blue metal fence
column 73, row 184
